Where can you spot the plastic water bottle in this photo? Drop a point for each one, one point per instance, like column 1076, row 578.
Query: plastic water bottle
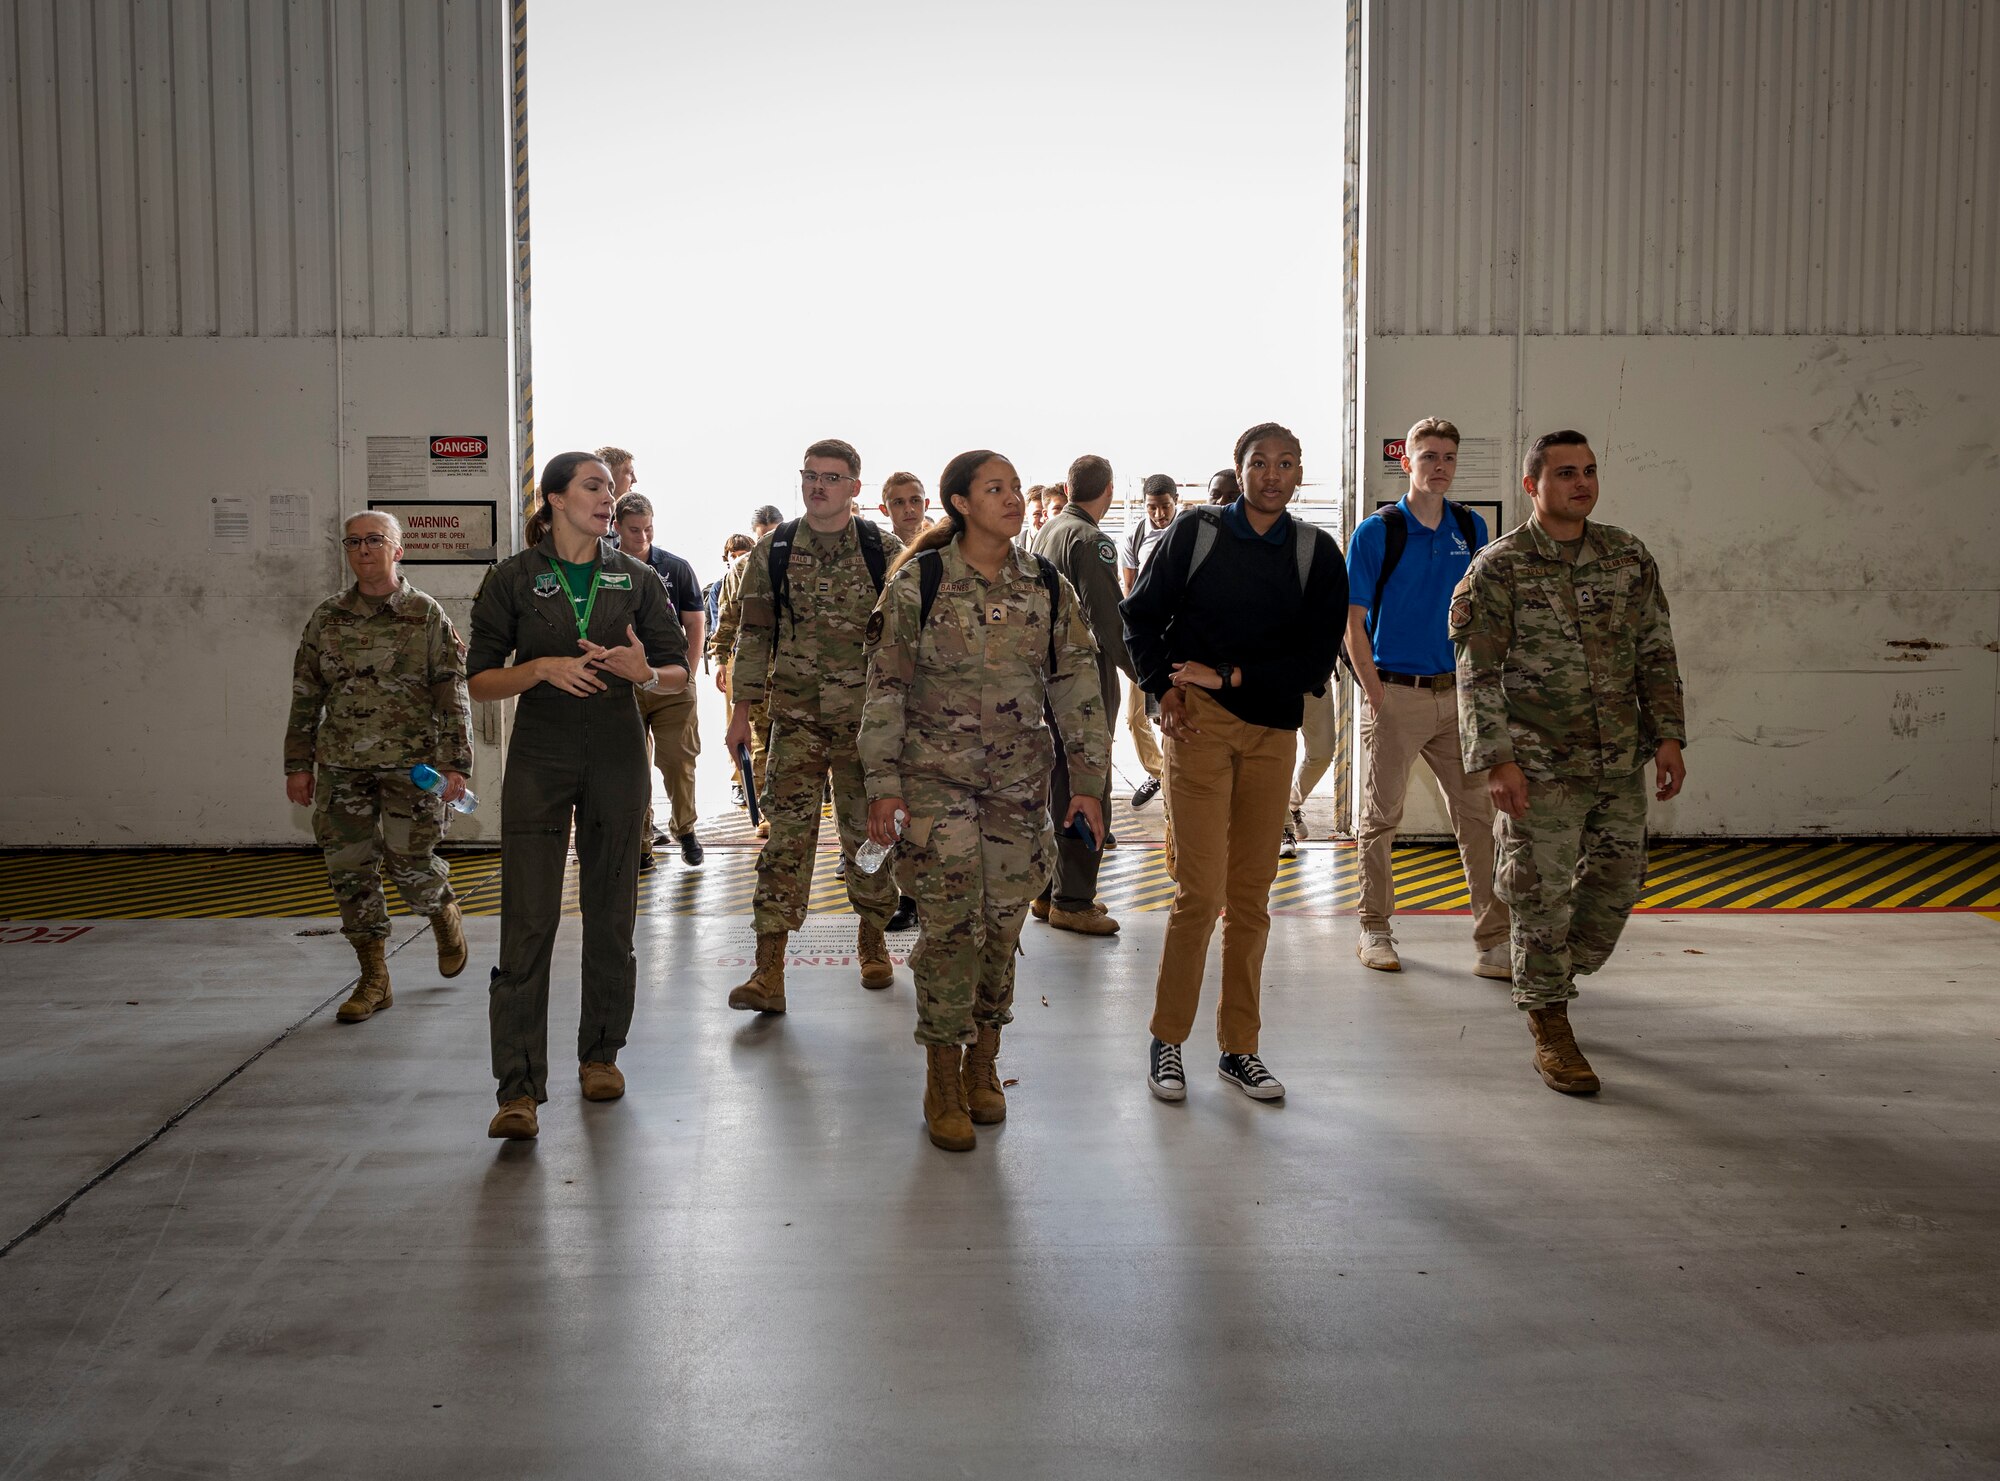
column 432, row 780
column 868, row 858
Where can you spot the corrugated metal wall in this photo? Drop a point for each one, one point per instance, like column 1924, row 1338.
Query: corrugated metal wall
column 1684, row 166
column 174, row 170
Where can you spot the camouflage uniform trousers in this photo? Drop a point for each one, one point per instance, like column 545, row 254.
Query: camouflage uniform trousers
column 1572, row 870
column 363, row 819
column 795, row 775
column 973, row 873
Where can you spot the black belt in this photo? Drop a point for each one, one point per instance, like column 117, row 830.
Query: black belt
column 1419, row 681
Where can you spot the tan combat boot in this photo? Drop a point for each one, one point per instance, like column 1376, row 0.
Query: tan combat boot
column 371, row 994
column 985, row 1101
column 1041, row 908
column 449, row 929
column 873, row 949
column 516, row 1120
column 765, row 991
column 1095, row 921
column 1557, row 1059
column 944, row 1099
column 601, row 1079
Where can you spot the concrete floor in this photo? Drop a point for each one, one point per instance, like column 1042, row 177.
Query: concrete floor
column 1768, row 1249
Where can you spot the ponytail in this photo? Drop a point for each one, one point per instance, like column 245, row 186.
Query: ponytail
column 557, row 474
column 955, row 484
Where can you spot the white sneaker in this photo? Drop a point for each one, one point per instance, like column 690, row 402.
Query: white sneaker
column 1377, row 949
column 1496, row 962
column 1288, row 843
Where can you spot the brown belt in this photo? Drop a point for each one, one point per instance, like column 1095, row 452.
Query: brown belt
column 1419, row 681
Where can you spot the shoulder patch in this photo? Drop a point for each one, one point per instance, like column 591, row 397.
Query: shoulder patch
column 1107, row 552
column 875, row 626
column 1461, row 610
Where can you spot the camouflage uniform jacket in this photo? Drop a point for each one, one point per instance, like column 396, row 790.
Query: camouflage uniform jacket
column 728, row 614
column 962, row 699
column 808, row 665
column 1567, row 670
column 378, row 685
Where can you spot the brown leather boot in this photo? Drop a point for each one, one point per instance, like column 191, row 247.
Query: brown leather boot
column 1557, row 1059
column 515, row 1121
column 371, row 994
column 601, row 1079
column 985, row 1101
column 944, row 1098
column 765, row 991
column 873, row 949
column 449, row 929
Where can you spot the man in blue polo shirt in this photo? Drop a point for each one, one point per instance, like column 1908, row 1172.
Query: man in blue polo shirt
column 1399, row 585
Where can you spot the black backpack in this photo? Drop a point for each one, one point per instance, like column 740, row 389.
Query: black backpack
column 872, row 551
column 930, row 576
column 1396, row 535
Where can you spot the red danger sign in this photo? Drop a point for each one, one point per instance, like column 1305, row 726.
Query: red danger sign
column 458, row 447
column 1392, row 452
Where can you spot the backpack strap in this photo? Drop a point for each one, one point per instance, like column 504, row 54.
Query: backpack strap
column 1395, row 535
column 872, row 550
column 1465, row 525
column 1207, row 527
column 1052, row 584
column 1305, row 545
column 930, row 576
column 781, row 569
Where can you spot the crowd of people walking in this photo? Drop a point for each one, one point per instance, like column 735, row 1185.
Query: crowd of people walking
column 948, row 687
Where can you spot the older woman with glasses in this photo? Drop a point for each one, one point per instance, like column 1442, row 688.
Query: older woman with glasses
column 378, row 687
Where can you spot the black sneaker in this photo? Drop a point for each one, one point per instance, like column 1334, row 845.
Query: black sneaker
column 657, row 837
column 1247, row 1073
column 646, row 858
column 1146, row 791
column 692, row 852
column 1167, row 1080
column 905, row 917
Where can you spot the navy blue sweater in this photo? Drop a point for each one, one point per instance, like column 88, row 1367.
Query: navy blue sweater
column 1243, row 607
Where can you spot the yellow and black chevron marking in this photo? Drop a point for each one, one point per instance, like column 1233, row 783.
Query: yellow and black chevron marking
column 1905, row 874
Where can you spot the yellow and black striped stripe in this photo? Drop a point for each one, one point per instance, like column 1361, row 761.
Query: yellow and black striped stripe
column 1887, row 874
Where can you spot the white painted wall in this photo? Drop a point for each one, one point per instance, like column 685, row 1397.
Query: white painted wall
column 1824, row 515
column 148, row 678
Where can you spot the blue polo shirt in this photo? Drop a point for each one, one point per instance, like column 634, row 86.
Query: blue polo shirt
column 1411, row 635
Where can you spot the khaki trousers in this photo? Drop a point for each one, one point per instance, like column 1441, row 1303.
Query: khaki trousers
column 1319, row 733
column 1141, row 726
column 673, row 734
column 1413, row 723
column 1230, row 784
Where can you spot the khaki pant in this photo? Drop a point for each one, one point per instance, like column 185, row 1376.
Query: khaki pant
column 1229, row 784
column 673, row 734
column 1141, row 726
column 1319, row 732
column 1413, row 723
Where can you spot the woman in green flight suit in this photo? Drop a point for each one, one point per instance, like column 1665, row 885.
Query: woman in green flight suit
column 584, row 625
column 953, row 735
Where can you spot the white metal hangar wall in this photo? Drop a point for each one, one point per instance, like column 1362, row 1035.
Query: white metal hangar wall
column 238, row 241
column 1749, row 247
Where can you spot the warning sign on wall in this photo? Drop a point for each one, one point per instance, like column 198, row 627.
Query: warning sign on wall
column 444, row 532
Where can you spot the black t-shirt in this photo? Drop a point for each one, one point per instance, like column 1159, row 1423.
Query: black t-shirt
column 682, row 584
column 1242, row 607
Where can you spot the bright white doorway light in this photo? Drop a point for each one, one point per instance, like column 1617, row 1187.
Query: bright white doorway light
column 1046, row 228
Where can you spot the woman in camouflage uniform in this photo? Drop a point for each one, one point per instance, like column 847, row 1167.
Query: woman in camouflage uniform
column 953, row 736
column 377, row 687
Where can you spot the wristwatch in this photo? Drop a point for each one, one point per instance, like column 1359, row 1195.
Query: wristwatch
column 1225, row 672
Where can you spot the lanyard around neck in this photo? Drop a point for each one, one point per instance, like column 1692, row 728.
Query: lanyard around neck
column 590, row 601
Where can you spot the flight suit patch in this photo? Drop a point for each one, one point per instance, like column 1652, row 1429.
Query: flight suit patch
column 545, row 584
column 621, row 581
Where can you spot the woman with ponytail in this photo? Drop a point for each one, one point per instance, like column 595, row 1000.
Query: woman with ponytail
column 585, row 625
column 973, row 642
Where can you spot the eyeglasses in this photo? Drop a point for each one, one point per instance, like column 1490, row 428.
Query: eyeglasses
column 830, row 480
column 365, row 542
